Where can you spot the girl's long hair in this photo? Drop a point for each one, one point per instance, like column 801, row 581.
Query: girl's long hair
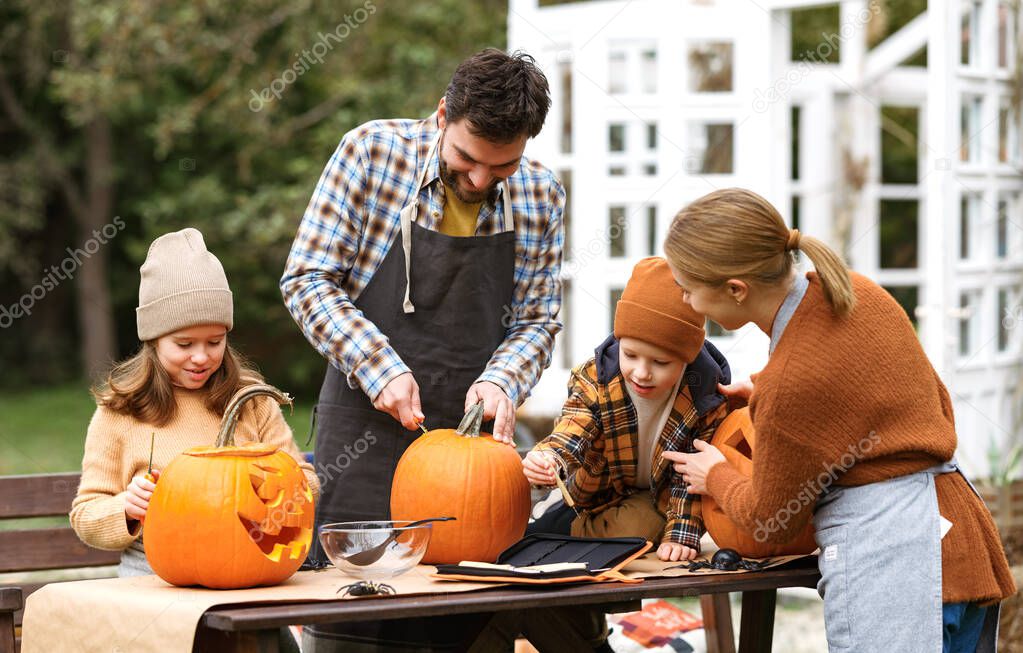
column 141, row 388
column 736, row 234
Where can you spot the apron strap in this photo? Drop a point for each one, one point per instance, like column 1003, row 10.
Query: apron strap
column 943, row 468
column 953, row 466
column 507, row 218
column 406, row 244
column 407, row 216
column 946, row 467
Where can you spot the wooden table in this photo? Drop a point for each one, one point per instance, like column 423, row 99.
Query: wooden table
column 254, row 628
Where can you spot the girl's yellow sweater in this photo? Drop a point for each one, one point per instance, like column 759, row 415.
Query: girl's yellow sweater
column 117, row 450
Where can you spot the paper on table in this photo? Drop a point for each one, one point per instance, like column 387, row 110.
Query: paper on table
column 145, row 614
column 650, row 566
column 533, row 569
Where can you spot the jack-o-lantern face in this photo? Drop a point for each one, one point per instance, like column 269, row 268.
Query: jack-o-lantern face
column 736, row 439
column 283, row 518
column 229, row 517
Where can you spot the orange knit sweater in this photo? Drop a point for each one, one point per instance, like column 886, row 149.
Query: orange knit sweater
column 859, row 398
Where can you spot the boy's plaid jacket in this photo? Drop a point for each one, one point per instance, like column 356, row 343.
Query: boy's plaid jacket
column 597, row 437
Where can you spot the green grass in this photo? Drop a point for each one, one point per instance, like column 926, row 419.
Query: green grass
column 43, row 430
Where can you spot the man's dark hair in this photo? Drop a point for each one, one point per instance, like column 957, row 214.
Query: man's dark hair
column 501, row 96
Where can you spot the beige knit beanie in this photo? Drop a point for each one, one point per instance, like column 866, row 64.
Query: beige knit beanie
column 182, row 285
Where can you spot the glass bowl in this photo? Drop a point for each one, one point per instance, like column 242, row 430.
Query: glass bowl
column 375, row 550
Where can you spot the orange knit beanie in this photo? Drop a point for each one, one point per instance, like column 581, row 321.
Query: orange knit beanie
column 652, row 310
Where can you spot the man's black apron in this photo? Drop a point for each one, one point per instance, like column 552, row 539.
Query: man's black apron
column 440, row 301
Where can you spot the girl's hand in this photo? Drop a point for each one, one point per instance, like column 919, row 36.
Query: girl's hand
column 737, row 393
column 140, row 490
column 539, row 468
column 694, row 467
column 674, row 552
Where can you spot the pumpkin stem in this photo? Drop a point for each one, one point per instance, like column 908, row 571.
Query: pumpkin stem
column 227, row 425
column 472, row 422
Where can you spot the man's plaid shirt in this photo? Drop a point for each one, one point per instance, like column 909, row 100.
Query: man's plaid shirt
column 596, row 441
column 351, row 222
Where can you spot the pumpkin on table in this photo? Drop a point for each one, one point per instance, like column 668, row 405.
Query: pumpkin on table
column 467, row 475
column 736, row 439
column 230, row 516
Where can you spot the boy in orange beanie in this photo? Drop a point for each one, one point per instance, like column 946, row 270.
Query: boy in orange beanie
column 650, row 388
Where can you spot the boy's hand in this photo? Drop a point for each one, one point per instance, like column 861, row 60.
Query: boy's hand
column 674, row 552
column 539, row 468
column 136, row 501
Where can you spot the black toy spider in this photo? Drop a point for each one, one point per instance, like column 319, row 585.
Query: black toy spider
column 725, row 560
column 366, row 588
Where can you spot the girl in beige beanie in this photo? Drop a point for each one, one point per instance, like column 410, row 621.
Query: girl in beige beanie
column 175, row 387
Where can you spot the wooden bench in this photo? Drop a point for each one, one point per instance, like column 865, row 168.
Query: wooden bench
column 38, row 549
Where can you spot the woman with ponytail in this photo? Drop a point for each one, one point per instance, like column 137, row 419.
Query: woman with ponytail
column 854, row 430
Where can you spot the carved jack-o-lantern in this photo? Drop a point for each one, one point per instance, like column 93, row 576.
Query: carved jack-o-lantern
column 467, row 475
column 737, row 440
column 230, row 516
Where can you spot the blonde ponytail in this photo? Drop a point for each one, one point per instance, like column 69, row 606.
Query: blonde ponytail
column 736, row 234
column 833, row 274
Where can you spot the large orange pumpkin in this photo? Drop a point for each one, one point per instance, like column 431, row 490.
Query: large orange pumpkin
column 467, row 475
column 230, row 516
column 737, row 440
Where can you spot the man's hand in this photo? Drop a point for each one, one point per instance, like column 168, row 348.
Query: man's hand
column 539, row 468
column 497, row 406
column 400, row 400
column 674, row 552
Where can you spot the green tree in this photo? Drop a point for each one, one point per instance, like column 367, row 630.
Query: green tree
column 151, row 112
